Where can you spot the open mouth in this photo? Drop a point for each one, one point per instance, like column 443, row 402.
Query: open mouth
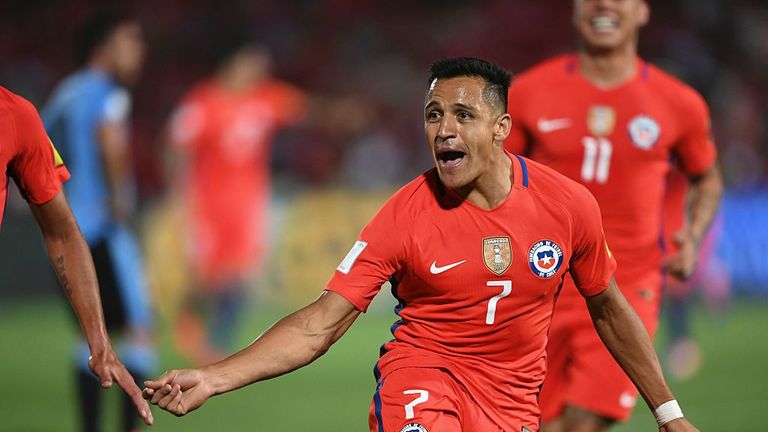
column 603, row 23
column 450, row 158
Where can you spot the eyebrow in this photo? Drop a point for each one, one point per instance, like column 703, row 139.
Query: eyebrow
column 455, row 105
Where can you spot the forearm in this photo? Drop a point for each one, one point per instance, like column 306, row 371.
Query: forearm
column 72, row 261
column 628, row 341
column 71, row 258
column 291, row 343
column 706, row 192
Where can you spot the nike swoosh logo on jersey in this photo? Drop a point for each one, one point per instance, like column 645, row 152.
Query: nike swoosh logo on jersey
column 437, row 270
column 551, row 125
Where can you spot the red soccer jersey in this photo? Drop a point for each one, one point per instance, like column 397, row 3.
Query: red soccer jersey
column 26, row 153
column 227, row 139
column 616, row 142
column 476, row 287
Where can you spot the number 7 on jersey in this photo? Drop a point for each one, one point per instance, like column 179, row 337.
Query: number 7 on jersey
column 506, row 290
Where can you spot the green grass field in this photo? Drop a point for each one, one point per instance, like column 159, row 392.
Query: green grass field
column 730, row 393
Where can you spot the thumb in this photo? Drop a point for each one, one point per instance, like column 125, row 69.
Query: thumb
column 679, row 238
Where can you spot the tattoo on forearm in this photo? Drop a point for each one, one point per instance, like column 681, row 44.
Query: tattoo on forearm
column 61, row 272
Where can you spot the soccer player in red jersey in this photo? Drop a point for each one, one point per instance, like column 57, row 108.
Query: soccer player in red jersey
column 476, row 250
column 221, row 135
column 609, row 120
column 28, row 156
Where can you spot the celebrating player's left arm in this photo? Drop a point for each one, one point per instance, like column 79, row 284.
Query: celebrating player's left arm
column 627, row 339
column 293, row 342
column 705, row 193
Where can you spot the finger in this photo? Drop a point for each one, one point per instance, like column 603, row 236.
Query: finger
column 167, row 399
column 179, row 405
column 161, row 393
column 126, row 382
column 161, row 381
column 679, row 237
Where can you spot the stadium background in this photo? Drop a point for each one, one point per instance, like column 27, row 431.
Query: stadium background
column 327, row 184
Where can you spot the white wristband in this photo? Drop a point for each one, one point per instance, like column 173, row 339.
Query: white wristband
column 667, row 412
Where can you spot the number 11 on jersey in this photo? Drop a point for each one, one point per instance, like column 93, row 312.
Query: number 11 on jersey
column 505, row 291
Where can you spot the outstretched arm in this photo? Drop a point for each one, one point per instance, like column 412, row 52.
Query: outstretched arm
column 627, row 339
column 293, row 342
column 72, row 261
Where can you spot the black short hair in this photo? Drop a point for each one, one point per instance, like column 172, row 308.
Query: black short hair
column 496, row 78
column 95, row 31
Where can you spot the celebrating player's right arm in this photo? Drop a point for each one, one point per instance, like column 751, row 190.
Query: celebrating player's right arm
column 293, row 342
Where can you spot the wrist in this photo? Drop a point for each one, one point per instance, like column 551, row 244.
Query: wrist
column 215, row 380
column 100, row 347
column 667, row 412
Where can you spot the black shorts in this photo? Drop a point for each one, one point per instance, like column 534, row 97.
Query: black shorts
column 115, row 313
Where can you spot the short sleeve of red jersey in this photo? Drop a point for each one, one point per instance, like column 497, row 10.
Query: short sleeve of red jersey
column 592, row 263
column 37, row 166
column 374, row 258
column 187, row 123
column 517, row 141
column 695, row 150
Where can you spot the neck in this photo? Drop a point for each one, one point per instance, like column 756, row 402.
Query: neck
column 101, row 64
column 611, row 68
column 490, row 189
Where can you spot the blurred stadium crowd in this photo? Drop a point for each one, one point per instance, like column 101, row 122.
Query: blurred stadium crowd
column 373, row 55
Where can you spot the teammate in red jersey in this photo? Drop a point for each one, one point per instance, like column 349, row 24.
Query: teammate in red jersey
column 222, row 135
column 611, row 121
column 476, row 250
column 28, row 156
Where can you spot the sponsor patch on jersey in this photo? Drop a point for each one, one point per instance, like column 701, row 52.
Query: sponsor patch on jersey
column 497, row 254
column 601, row 120
column 644, row 131
column 413, row 427
column 545, row 258
column 349, row 260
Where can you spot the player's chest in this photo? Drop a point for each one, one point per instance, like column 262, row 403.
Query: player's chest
column 238, row 130
column 464, row 254
column 599, row 131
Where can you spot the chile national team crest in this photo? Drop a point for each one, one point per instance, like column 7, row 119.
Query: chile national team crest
column 497, row 254
column 545, row 258
column 644, row 131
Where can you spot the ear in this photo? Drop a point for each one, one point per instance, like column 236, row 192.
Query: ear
column 643, row 13
column 502, row 127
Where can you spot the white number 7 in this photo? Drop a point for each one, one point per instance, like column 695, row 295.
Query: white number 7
column 507, row 290
column 423, row 397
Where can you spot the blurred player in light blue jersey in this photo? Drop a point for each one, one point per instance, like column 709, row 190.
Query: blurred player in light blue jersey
column 88, row 116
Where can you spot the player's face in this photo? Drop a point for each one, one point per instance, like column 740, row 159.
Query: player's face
column 127, row 50
column 461, row 128
column 605, row 25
